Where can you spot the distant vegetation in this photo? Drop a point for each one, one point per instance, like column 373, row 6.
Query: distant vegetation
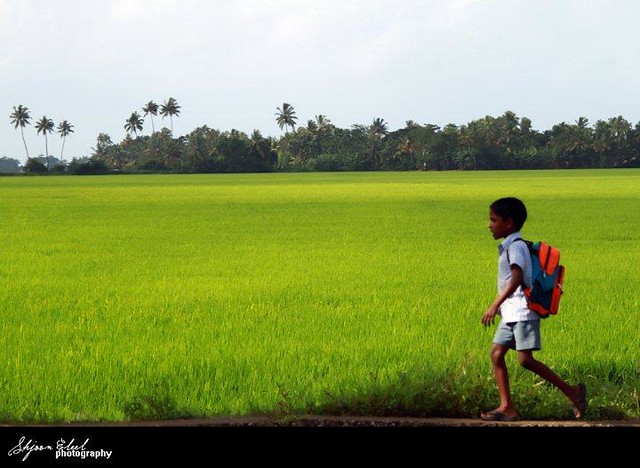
column 504, row 142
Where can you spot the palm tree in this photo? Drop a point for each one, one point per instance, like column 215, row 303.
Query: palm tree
column 64, row 129
column 151, row 108
column 525, row 125
column 322, row 122
column 620, row 129
column 257, row 143
column 286, row 117
column 582, row 122
column 405, row 146
column 323, row 127
column 103, row 142
column 602, row 140
column 134, row 123
column 620, row 132
column 170, row 108
column 20, row 118
column 312, row 126
column 579, row 137
column 377, row 130
column 509, row 125
column 44, row 126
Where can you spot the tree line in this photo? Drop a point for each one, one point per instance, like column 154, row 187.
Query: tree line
column 503, row 142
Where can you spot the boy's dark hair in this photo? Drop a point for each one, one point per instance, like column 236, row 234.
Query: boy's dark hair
column 510, row 207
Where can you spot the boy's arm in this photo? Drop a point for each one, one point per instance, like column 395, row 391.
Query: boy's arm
column 515, row 281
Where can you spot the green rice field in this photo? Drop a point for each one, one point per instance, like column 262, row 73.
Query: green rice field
column 167, row 296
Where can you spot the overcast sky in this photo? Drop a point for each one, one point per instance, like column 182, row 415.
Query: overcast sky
column 230, row 63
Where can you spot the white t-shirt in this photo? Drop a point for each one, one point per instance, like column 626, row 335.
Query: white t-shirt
column 514, row 308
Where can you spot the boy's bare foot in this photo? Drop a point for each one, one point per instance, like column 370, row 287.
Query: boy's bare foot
column 579, row 401
column 500, row 414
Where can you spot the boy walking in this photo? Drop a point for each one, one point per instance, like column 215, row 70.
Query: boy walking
column 519, row 328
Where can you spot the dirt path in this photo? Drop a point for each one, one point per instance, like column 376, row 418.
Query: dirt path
column 346, row 421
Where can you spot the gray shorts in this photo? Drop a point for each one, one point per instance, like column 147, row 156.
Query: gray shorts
column 521, row 336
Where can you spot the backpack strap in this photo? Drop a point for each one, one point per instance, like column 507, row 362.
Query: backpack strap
column 514, row 240
column 529, row 243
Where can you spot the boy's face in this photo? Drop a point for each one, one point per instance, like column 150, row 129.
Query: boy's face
column 499, row 226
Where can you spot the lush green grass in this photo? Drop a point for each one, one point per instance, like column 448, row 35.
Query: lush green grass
column 165, row 296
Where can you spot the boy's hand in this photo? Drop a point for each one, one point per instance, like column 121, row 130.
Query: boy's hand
column 490, row 315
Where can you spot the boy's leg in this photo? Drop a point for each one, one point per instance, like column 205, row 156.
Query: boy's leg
column 501, row 376
column 572, row 392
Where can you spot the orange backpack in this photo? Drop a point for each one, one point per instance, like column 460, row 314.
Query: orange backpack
column 547, row 278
